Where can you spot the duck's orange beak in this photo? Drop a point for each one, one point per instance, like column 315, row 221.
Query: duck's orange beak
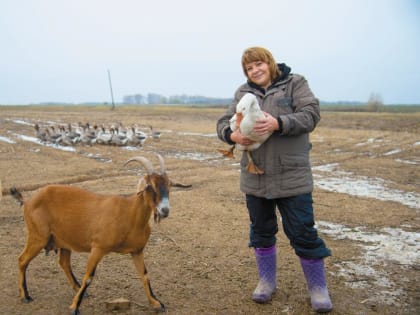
column 239, row 117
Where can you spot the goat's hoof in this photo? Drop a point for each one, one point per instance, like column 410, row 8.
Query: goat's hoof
column 27, row 299
column 161, row 309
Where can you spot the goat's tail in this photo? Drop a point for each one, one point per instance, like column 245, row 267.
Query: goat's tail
column 17, row 195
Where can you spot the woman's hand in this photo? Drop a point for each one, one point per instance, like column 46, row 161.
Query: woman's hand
column 238, row 137
column 266, row 125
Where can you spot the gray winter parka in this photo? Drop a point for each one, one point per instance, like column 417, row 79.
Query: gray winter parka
column 284, row 157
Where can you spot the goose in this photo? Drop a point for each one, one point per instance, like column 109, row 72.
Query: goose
column 64, row 138
column 247, row 112
column 117, row 139
column 87, row 137
column 135, row 138
column 138, row 131
column 103, row 136
column 52, row 135
column 72, row 133
column 41, row 135
column 155, row 134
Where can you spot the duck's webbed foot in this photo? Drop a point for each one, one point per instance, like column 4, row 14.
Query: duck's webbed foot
column 227, row 153
column 251, row 167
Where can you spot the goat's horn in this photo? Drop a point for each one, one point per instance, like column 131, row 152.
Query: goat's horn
column 146, row 163
column 161, row 163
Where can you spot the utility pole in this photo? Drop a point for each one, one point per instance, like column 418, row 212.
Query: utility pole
column 110, row 87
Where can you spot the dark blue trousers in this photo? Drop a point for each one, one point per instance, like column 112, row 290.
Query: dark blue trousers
column 298, row 224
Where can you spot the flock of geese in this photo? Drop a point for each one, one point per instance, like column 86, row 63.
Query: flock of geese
column 85, row 134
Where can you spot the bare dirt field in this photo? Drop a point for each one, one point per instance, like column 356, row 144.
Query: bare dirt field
column 366, row 207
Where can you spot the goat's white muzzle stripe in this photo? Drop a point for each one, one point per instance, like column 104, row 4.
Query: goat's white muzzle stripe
column 163, row 207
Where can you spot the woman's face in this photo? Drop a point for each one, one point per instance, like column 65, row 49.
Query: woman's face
column 259, row 73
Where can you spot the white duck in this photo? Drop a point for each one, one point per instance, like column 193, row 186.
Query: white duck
column 247, row 112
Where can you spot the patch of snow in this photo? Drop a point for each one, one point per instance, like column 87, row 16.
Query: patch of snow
column 406, row 161
column 7, row 140
column 326, row 167
column 131, row 148
column 20, row 122
column 388, row 246
column 368, row 141
column 97, row 157
column 195, row 156
column 363, row 186
column 37, row 141
column 392, row 152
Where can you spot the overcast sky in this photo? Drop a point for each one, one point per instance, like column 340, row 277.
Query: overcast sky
column 60, row 50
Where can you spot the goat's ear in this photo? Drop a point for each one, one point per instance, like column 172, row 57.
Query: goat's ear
column 141, row 185
column 175, row 184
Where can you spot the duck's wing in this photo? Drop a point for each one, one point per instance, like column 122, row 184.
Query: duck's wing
column 233, row 123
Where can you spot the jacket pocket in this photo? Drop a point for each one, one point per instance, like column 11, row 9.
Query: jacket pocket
column 284, row 105
column 293, row 172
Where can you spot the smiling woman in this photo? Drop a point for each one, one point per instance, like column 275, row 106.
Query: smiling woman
column 290, row 111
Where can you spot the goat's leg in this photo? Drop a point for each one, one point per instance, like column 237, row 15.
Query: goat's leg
column 138, row 260
column 64, row 261
column 31, row 250
column 95, row 257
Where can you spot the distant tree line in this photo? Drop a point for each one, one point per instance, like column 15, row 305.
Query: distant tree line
column 153, row 98
column 374, row 104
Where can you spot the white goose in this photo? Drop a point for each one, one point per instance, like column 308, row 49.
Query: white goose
column 247, row 112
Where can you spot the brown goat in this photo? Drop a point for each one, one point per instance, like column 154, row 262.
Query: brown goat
column 67, row 218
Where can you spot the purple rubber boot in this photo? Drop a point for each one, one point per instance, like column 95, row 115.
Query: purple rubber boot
column 315, row 277
column 267, row 270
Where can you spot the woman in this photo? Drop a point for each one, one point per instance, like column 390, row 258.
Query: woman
column 291, row 113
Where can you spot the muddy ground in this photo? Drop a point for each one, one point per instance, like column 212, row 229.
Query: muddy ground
column 198, row 260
